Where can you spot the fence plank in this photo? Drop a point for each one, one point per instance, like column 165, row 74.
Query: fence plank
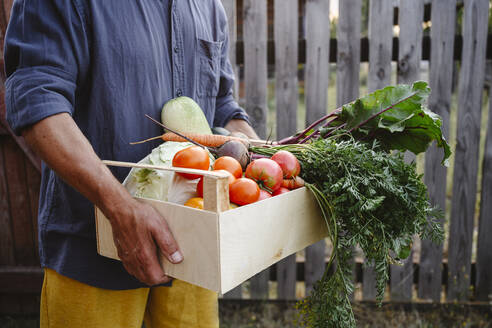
column 484, row 246
column 380, row 48
column 410, row 17
column 348, row 51
column 470, row 88
column 6, row 242
column 316, row 87
column 440, row 80
column 255, row 63
column 230, row 9
column 317, row 58
column 255, row 77
column 348, row 54
column 231, row 13
column 20, row 214
column 33, row 180
column 285, row 32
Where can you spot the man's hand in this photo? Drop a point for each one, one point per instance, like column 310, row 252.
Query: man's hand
column 242, row 126
column 138, row 228
column 136, row 234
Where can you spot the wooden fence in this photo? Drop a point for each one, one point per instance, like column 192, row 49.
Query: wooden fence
column 434, row 276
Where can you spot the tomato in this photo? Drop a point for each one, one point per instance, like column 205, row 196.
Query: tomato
column 280, row 191
column 264, row 194
column 229, row 164
column 288, row 162
column 193, row 157
column 196, row 202
column 244, row 191
column 266, row 172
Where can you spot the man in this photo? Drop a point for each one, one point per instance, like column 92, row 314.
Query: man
column 81, row 76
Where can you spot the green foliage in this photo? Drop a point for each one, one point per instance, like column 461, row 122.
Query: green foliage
column 397, row 117
column 368, row 197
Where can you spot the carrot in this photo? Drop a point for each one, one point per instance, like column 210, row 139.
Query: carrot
column 293, row 183
column 207, row 140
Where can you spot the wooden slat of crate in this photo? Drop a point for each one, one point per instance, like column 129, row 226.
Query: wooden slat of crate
column 440, row 81
column 380, row 49
column 316, row 86
column 195, row 239
column 255, row 236
column 410, row 51
column 286, row 95
column 221, row 250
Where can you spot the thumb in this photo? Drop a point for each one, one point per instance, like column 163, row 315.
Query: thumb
column 167, row 244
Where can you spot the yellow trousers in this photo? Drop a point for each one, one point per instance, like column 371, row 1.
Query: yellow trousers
column 68, row 303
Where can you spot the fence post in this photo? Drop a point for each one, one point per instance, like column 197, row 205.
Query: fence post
column 255, row 62
column 471, row 81
column 348, row 55
column 440, row 80
column 316, row 88
column 410, row 52
column 231, row 12
column 348, row 50
column 380, row 47
column 230, row 9
column 286, row 94
column 484, row 247
column 255, row 76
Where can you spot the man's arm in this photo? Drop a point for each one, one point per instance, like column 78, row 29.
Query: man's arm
column 137, row 228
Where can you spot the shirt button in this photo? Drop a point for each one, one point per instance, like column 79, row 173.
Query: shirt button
column 176, row 49
column 179, row 93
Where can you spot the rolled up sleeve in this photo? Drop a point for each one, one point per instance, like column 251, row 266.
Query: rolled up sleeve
column 226, row 107
column 46, row 58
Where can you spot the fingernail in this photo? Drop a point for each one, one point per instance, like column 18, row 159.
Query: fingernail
column 176, row 257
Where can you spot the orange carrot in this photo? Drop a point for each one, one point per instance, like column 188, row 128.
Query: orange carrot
column 293, row 183
column 208, row 140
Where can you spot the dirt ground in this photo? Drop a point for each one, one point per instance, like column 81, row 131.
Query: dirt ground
column 276, row 314
column 368, row 315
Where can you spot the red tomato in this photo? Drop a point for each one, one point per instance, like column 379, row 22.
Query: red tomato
column 193, row 157
column 244, row 191
column 264, row 194
column 229, row 164
column 280, row 191
column 266, row 173
column 199, row 188
column 288, row 162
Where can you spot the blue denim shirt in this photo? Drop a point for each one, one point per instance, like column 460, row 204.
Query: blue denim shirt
column 108, row 63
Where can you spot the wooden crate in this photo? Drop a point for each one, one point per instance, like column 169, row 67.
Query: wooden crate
column 223, row 247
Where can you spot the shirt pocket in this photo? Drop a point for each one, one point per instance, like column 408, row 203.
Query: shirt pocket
column 209, row 53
